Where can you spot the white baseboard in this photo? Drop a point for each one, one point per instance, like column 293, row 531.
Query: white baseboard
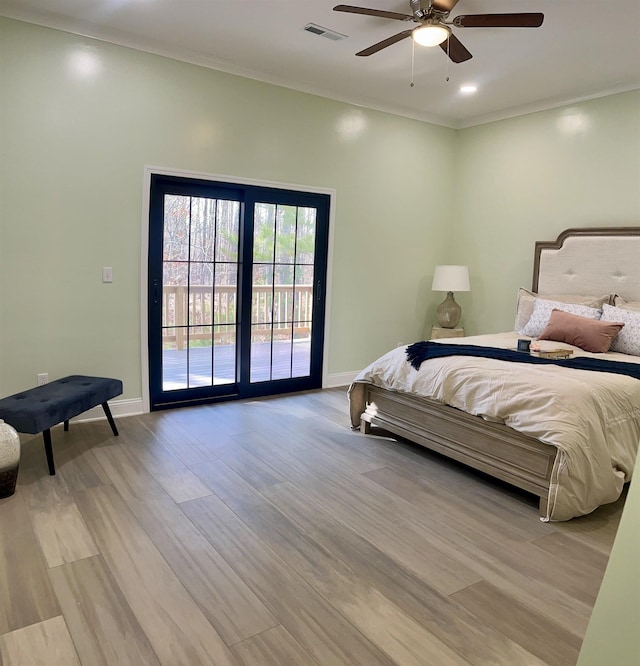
column 133, row 406
column 128, row 407
column 339, row 379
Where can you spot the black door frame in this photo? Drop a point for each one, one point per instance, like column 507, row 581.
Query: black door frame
column 248, row 194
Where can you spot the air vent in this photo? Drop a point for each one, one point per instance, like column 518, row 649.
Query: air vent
column 324, row 32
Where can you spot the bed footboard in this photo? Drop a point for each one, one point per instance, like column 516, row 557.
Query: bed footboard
column 488, row 447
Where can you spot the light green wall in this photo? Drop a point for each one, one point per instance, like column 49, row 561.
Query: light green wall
column 613, row 635
column 73, row 151
column 528, row 178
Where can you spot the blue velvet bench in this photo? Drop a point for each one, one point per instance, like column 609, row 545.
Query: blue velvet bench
column 40, row 408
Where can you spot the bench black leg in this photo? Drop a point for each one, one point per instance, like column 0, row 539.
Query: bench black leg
column 66, row 425
column 107, row 413
column 46, row 434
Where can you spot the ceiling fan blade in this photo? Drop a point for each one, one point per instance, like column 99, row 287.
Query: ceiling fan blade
column 524, row 20
column 455, row 49
column 384, row 43
column 372, row 12
column 444, row 5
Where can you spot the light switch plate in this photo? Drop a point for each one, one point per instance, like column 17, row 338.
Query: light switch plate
column 107, row 274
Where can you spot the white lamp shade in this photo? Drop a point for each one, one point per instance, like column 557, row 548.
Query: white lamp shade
column 451, row 278
column 430, row 35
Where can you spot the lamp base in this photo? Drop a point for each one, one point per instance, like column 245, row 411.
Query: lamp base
column 449, row 312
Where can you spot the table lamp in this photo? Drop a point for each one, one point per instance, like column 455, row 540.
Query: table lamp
column 450, row 279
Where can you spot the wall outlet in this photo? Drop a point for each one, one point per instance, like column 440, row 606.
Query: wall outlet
column 43, row 378
column 107, row 274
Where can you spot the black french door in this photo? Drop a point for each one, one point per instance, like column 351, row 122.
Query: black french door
column 237, row 285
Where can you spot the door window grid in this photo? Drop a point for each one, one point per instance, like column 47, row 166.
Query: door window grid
column 278, row 299
column 197, row 310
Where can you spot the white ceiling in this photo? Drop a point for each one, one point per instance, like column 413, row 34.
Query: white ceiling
column 584, row 49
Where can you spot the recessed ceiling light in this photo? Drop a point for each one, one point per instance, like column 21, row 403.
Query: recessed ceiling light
column 468, row 89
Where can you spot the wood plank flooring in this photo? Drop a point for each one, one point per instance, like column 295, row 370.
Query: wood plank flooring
column 266, row 533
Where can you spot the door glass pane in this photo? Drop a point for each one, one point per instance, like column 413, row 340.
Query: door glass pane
column 303, row 297
column 175, row 278
column 199, row 302
column 263, row 232
column 174, row 359
column 200, row 358
column 282, row 352
column 282, row 295
column 225, row 294
column 260, row 370
column 306, row 236
column 227, row 231
column 177, row 212
column 225, row 318
column 301, row 366
column 304, row 275
column 283, row 274
column 224, row 355
column 283, row 302
column 175, row 340
column 285, row 234
column 262, row 295
column 203, row 229
column 200, row 293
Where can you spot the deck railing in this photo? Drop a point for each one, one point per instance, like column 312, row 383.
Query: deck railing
column 188, row 313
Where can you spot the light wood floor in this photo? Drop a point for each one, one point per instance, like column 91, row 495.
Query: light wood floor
column 267, row 533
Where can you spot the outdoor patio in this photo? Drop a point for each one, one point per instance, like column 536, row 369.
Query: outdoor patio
column 190, row 368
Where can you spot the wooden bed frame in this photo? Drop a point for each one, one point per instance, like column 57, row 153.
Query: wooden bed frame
column 600, row 260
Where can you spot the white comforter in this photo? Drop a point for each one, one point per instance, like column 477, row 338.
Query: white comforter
column 593, row 418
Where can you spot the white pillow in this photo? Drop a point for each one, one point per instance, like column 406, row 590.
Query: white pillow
column 542, row 313
column 526, row 300
column 628, row 340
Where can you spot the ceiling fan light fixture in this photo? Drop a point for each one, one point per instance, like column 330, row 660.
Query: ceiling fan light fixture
column 430, row 34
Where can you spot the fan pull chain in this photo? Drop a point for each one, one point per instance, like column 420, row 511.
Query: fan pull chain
column 448, row 56
column 413, row 57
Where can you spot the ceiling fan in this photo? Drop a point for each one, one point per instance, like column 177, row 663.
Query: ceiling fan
column 434, row 28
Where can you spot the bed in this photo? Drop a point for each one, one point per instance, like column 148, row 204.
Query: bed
column 567, row 435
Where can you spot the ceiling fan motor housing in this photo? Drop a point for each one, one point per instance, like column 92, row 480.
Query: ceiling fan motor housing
column 423, row 9
column 416, row 8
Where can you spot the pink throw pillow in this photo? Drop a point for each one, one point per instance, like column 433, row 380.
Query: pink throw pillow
column 592, row 335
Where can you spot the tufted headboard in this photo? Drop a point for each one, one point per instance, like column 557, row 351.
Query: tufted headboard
column 590, row 261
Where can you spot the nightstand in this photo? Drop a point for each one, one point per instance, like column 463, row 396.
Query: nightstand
column 437, row 333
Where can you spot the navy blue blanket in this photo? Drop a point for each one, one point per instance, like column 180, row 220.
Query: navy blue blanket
column 421, row 351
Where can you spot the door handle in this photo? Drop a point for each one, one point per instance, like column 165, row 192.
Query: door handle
column 155, row 291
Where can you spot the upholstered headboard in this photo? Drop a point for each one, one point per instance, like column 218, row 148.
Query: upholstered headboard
column 588, row 262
